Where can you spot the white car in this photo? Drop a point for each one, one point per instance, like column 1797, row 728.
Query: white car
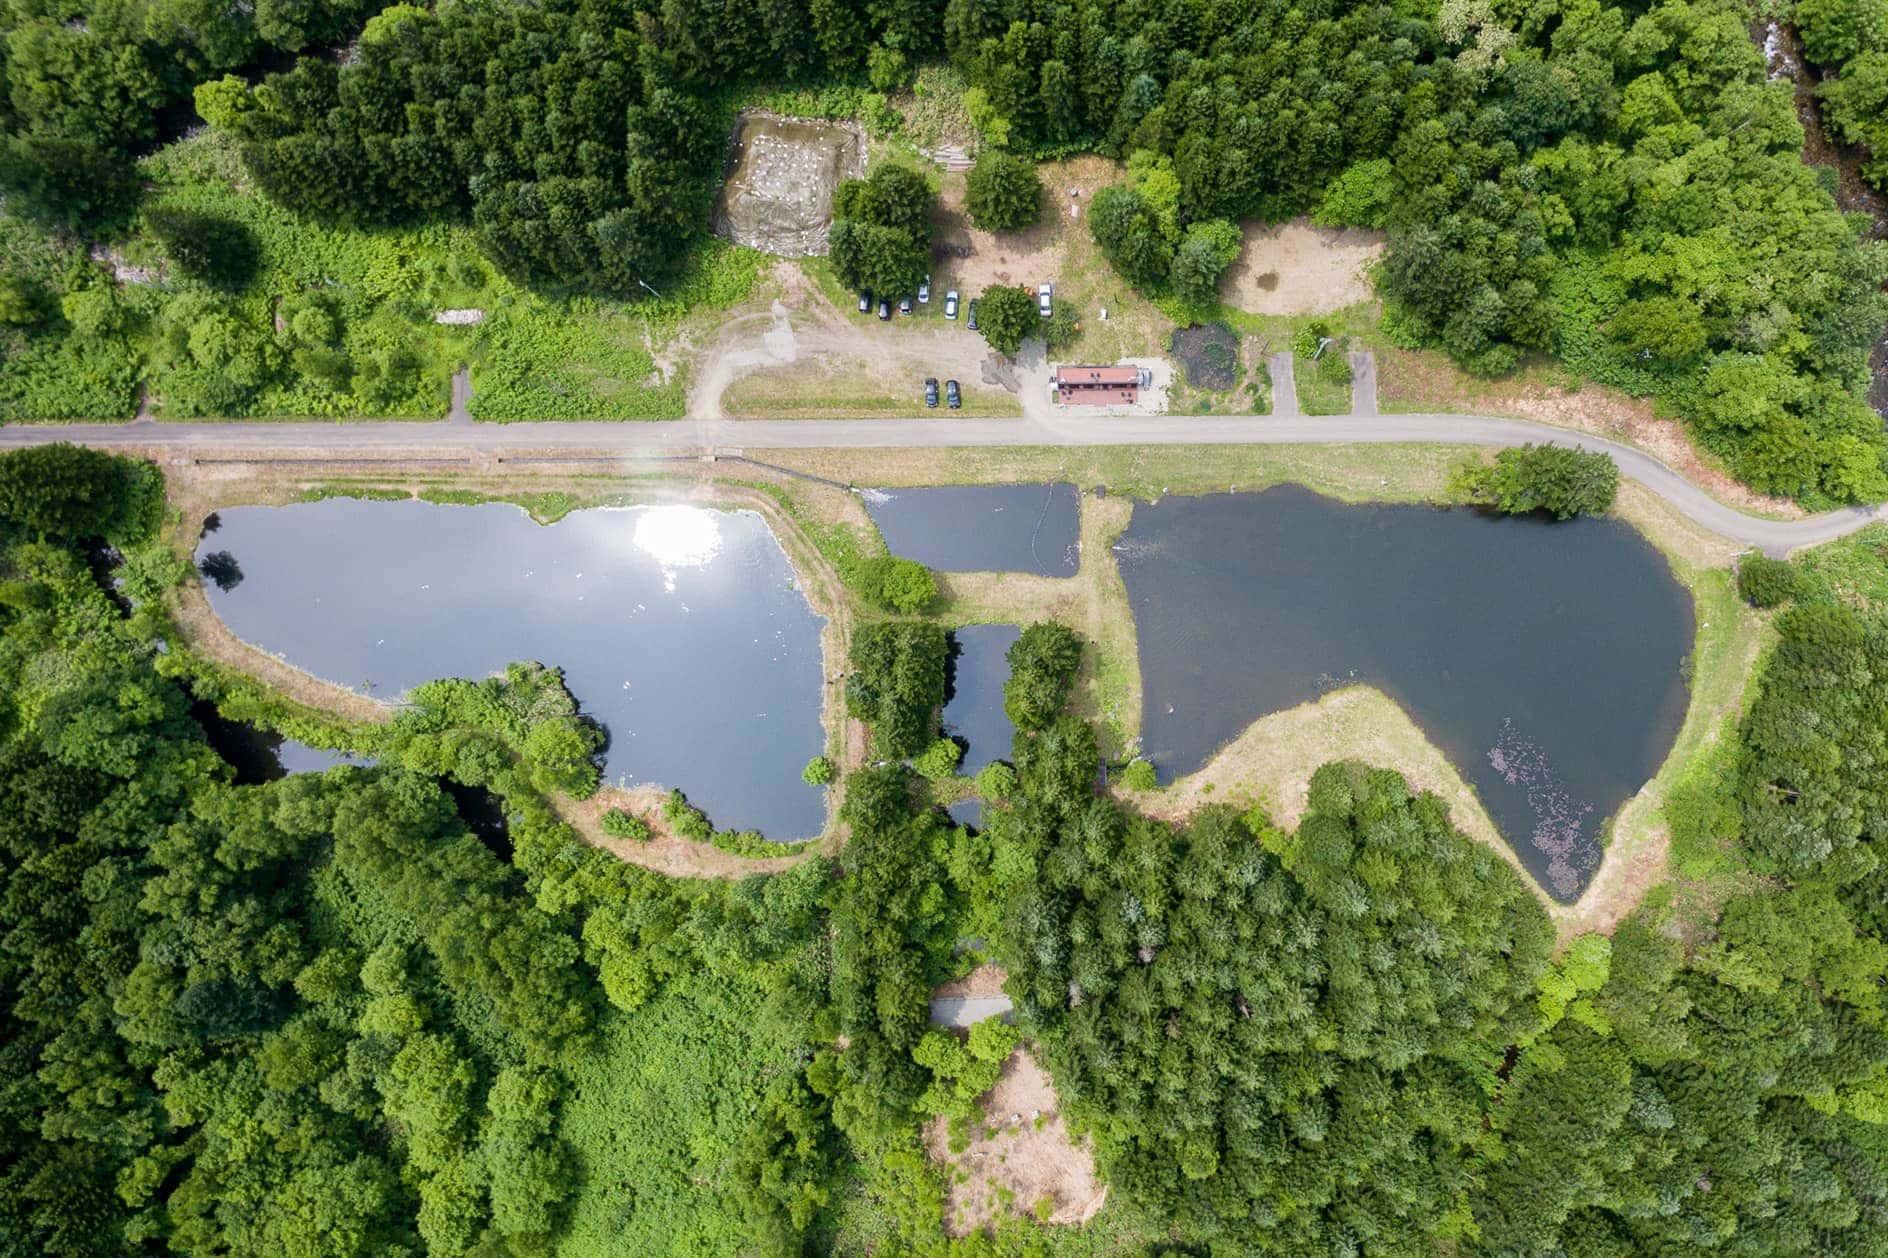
column 950, row 304
column 924, row 291
column 1043, row 294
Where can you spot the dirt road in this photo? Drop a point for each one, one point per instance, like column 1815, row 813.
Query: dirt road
column 368, row 440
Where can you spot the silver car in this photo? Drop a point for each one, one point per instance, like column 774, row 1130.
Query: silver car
column 1043, row 294
column 950, row 304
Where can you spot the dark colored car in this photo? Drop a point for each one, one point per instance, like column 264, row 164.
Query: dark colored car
column 865, row 302
column 904, row 306
column 973, row 314
column 952, row 397
column 884, row 309
column 930, row 391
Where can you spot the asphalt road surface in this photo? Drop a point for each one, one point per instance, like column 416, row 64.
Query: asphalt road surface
column 684, row 437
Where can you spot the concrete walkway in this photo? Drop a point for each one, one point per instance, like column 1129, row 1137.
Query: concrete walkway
column 445, row 441
column 964, row 1011
column 1363, row 382
column 1284, row 385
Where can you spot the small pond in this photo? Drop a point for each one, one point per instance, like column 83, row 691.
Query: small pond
column 982, row 528
column 966, row 812
column 680, row 629
column 1544, row 659
column 973, row 707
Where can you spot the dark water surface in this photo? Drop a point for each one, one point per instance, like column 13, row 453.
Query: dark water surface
column 974, row 710
column 982, row 528
column 1543, row 658
column 680, row 629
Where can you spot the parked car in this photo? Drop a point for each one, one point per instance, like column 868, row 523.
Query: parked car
column 930, row 391
column 884, row 308
column 973, row 314
column 904, row 306
column 924, row 291
column 950, row 304
column 951, row 396
column 1043, row 294
column 865, row 302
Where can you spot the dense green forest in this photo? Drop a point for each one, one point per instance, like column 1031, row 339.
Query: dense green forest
column 1615, row 184
column 320, row 1016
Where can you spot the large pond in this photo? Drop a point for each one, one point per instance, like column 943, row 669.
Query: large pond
column 680, row 629
column 1544, row 659
column 982, row 528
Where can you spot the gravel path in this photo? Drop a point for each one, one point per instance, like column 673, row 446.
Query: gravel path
column 963, row 1011
column 681, row 437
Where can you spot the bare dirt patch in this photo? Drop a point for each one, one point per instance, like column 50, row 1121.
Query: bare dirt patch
column 781, row 173
column 1425, row 380
column 1297, row 269
column 664, row 852
column 1020, row 1154
column 983, row 983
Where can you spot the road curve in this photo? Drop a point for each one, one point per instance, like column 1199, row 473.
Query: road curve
column 687, row 437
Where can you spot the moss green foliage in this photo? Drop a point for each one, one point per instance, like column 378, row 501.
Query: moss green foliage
column 1360, row 196
column 71, row 493
column 1139, row 775
column 1851, row 571
column 896, row 584
column 881, row 231
column 685, row 819
column 963, row 1069
column 1559, row 480
column 818, row 772
column 621, row 825
column 1002, row 192
column 1132, row 924
column 996, row 781
column 939, row 760
column 1043, row 662
column 1765, row 582
column 326, row 319
column 896, row 684
column 1007, row 315
column 471, row 730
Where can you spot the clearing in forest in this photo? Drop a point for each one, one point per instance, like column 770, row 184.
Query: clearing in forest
column 1021, row 1158
column 1297, row 269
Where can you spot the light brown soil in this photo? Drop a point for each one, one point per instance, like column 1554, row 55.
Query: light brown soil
column 984, row 982
column 666, row 853
column 1425, row 380
column 798, row 356
column 1297, row 269
column 1022, row 1148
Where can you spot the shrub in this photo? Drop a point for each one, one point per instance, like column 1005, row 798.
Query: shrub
column 212, row 250
column 895, row 584
column 685, row 819
column 996, row 781
column 1139, row 775
column 1002, row 192
column 818, row 771
column 1560, row 480
column 1766, row 582
column 620, row 825
column 939, row 760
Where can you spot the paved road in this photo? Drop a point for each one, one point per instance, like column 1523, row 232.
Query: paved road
column 686, row 437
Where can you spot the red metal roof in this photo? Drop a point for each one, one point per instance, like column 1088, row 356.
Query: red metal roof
column 1097, row 377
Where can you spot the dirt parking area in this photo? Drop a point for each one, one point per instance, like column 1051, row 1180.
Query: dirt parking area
column 1297, row 269
column 1021, row 1158
column 796, row 354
